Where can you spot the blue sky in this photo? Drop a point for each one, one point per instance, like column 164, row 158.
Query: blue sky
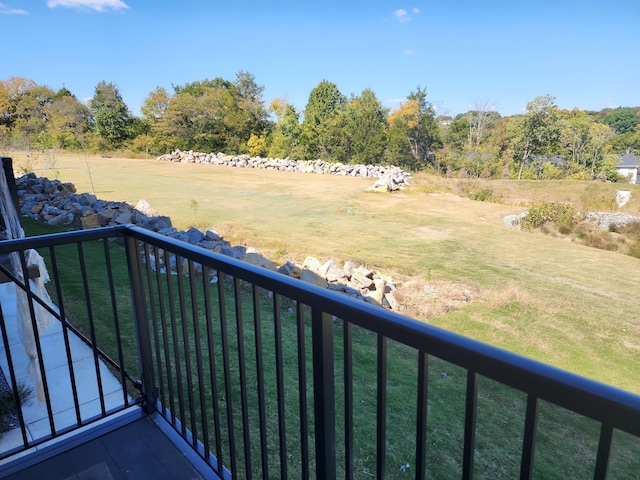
column 586, row 53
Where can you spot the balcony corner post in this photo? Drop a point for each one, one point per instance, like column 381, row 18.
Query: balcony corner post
column 148, row 388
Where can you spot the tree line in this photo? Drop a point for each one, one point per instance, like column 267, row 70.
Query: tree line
column 231, row 116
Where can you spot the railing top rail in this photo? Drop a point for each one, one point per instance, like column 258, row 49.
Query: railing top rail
column 604, row 403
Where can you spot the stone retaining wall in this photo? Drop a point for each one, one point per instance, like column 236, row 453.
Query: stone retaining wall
column 57, row 203
column 389, row 178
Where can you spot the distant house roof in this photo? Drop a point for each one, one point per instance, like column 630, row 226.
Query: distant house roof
column 628, row 160
column 554, row 160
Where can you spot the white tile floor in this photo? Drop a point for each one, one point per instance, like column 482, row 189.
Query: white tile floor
column 57, row 376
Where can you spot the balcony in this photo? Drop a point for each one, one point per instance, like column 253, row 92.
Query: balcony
column 252, row 374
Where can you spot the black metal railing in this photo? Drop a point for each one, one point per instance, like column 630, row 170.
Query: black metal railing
column 266, row 376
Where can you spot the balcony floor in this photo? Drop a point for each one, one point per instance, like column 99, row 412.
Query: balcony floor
column 139, row 450
column 126, row 445
column 57, row 376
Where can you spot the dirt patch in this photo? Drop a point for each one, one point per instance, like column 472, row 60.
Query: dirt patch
column 425, row 299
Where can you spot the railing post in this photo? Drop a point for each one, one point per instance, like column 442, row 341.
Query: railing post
column 141, row 322
column 324, row 393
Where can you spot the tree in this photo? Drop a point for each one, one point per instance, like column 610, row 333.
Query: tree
column 24, row 108
column 216, row 115
column 155, row 105
column 197, row 122
column 413, row 132
column 598, row 144
column 111, row 116
column 250, row 102
column 457, row 134
column 363, row 134
column 537, row 131
column 69, row 120
column 480, row 118
column 575, row 135
column 286, row 135
column 622, row 120
column 318, row 127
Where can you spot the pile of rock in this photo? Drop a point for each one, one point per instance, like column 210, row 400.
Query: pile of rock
column 605, row 220
column 356, row 281
column 390, row 178
column 57, row 203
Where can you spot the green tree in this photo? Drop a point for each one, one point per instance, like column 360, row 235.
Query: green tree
column 622, row 120
column 286, row 135
column 363, row 134
column 457, row 136
column 413, row 133
column 575, row 135
column 197, row 122
column 24, row 109
column 537, row 132
column 249, row 97
column 598, row 145
column 69, row 120
column 318, row 127
column 111, row 116
column 155, row 105
column 210, row 115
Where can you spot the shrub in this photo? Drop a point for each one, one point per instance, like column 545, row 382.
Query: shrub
column 565, row 229
column 8, row 404
column 484, row 196
column 601, row 240
column 631, row 229
column 634, row 249
column 558, row 213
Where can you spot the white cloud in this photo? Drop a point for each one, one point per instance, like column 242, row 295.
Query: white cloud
column 402, row 15
column 4, row 10
column 98, row 5
column 411, row 51
column 416, row 10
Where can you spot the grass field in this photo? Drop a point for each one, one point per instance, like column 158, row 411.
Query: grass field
column 457, row 264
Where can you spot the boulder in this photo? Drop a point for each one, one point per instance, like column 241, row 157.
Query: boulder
column 312, row 263
column 313, row 278
column 90, row 221
column 145, row 208
column 259, row 261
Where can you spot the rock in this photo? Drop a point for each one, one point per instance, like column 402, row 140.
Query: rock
column 312, row 263
column 313, row 278
column 259, row 261
column 288, row 268
column 212, row 236
column 123, row 219
column 335, row 274
column 349, row 267
column 194, row 236
column 365, row 271
column 363, row 280
column 156, row 224
column 393, row 298
column 236, row 252
column 145, row 208
column 324, row 269
column 90, row 221
column 62, row 220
